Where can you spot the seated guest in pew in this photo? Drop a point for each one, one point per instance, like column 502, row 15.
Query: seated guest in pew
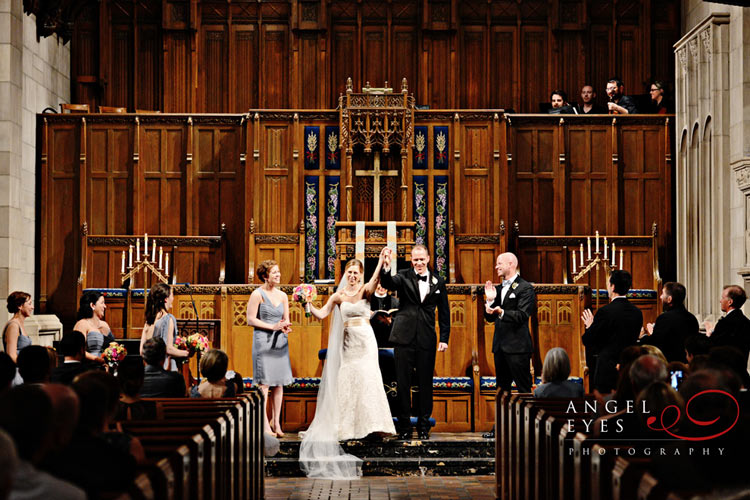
column 555, row 373
column 7, row 372
column 130, row 376
column 8, row 463
column 654, row 351
column 734, row 328
column 238, row 380
column 26, row 415
column 91, row 323
column 673, row 326
column 34, row 365
column 616, row 326
column 588, row 102
column 559, row 101
column 160, row 323
column 214, row 369
column 73, row 348
column 696, row 345
column 158, row 382
column 99, row 461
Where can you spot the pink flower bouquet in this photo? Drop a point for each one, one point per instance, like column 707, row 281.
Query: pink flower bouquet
column 114, row 353
column 192, row 343
column 305, row 294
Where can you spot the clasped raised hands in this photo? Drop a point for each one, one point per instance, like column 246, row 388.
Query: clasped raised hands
column 385, row 256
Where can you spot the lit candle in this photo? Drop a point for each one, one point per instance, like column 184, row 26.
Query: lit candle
column 130, row 256
column 621, row 258
column 166, row 265
column 160, row 257
column 122, row 267
column 574, row 261
column 580, row 256
column 153, row 251
column 137, row 250
column 588, row 247
column 613, row 254
column 145, row 245
column 597, row 242
column 605, row 248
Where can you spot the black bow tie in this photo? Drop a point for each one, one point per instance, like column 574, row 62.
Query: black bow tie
column 421, row 278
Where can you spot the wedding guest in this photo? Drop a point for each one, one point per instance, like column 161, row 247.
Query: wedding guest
column 91, row 323
column 660, row 105
column 619, row 104
column 555, row 373
column 34, row 365
column 559, row 100
column 7, row 372
column 268, row 314
column 160, row 323
column 214, row 369
column 73, row 348
column 673, row 326
column 734, row 328
column 696, row 345
column 158, row 382
column 26, row 415
column 130, row 376
column 15, row 339
column 588, row 102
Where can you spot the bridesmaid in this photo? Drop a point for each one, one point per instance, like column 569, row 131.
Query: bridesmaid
column 91, row 323
column 161, row 323
column 15, row 339
column 268, row 313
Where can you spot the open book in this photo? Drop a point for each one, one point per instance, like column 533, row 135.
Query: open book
column 383, row 316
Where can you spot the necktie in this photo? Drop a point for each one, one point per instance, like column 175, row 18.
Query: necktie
column 506, row 282
column 421, row 278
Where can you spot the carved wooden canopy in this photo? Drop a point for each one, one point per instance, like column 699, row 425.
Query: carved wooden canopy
column 56, row 16
column 376, row 117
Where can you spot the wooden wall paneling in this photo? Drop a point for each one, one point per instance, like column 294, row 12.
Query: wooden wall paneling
column 344, row 61
column 588, row 170
column 244, row 67
column 559, row 184
column 117, row 61
column 84, row 59
column 213, row 70
column 476, row 262
column 276, row 179
column 475, row 180
column 374, row 64
column 570, row 62
column 163, row 165
column 614, row 195
column 504, row 68
column 474, row 60
column 147, row 80
column 456, row 361
column 403, row 63
column 629, row 50
column 534, row 176
column 439, row 83
column 178, row 95
column 60, row 223
column 309, row 90
column 534, row 66
column 275, row 50
column 110, row 177
column 219, row 183
column 601, row 61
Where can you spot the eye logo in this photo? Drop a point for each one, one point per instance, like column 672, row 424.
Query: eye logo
column 702, row 423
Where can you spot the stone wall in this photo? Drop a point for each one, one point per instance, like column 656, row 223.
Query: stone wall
column 34, row 74
column 712, row 154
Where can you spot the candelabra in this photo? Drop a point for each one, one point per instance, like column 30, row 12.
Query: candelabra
column 144, row 262
column 595, row 261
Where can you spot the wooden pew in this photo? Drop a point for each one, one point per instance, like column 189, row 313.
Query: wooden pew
column 179, row 458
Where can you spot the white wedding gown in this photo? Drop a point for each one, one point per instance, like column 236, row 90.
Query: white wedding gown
column 362, row 404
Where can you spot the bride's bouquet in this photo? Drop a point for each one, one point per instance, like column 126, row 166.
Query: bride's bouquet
column 114, row 353
column 305, row 294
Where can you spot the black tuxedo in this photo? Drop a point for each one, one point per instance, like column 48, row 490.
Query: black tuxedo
column 382, row 330
column 66, row 372
column 733, row 330
column 415, row 339
column 616, row 326
column 511, row 343
column 671, row 329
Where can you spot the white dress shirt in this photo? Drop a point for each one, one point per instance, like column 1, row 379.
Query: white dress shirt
column 424, row 285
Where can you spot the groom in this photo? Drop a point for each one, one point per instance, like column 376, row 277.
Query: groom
column 414, row 336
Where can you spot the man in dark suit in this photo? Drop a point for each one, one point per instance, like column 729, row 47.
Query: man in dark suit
column 615, row 327
column 157, row 382
column 734, row 328
column 509, row 306
column 619, row 104
column 381, row 323
column 672, row 326
column 73, row 348
column 414, row 336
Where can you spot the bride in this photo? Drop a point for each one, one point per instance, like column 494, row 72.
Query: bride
column 351, row 400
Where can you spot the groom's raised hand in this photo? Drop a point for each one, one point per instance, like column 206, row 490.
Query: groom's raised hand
column 490, row 292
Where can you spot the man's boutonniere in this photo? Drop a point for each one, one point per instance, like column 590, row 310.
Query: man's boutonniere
column 434, row 280
column 514, row 286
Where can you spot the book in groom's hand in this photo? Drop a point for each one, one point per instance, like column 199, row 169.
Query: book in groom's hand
column 382, row 316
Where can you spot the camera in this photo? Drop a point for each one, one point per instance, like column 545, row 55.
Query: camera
column 676, row 377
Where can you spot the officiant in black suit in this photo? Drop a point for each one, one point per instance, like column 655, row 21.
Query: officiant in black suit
column 382, row 323
column 414, row 336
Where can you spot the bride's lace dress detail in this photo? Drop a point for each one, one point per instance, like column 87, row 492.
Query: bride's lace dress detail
column 362, row 403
